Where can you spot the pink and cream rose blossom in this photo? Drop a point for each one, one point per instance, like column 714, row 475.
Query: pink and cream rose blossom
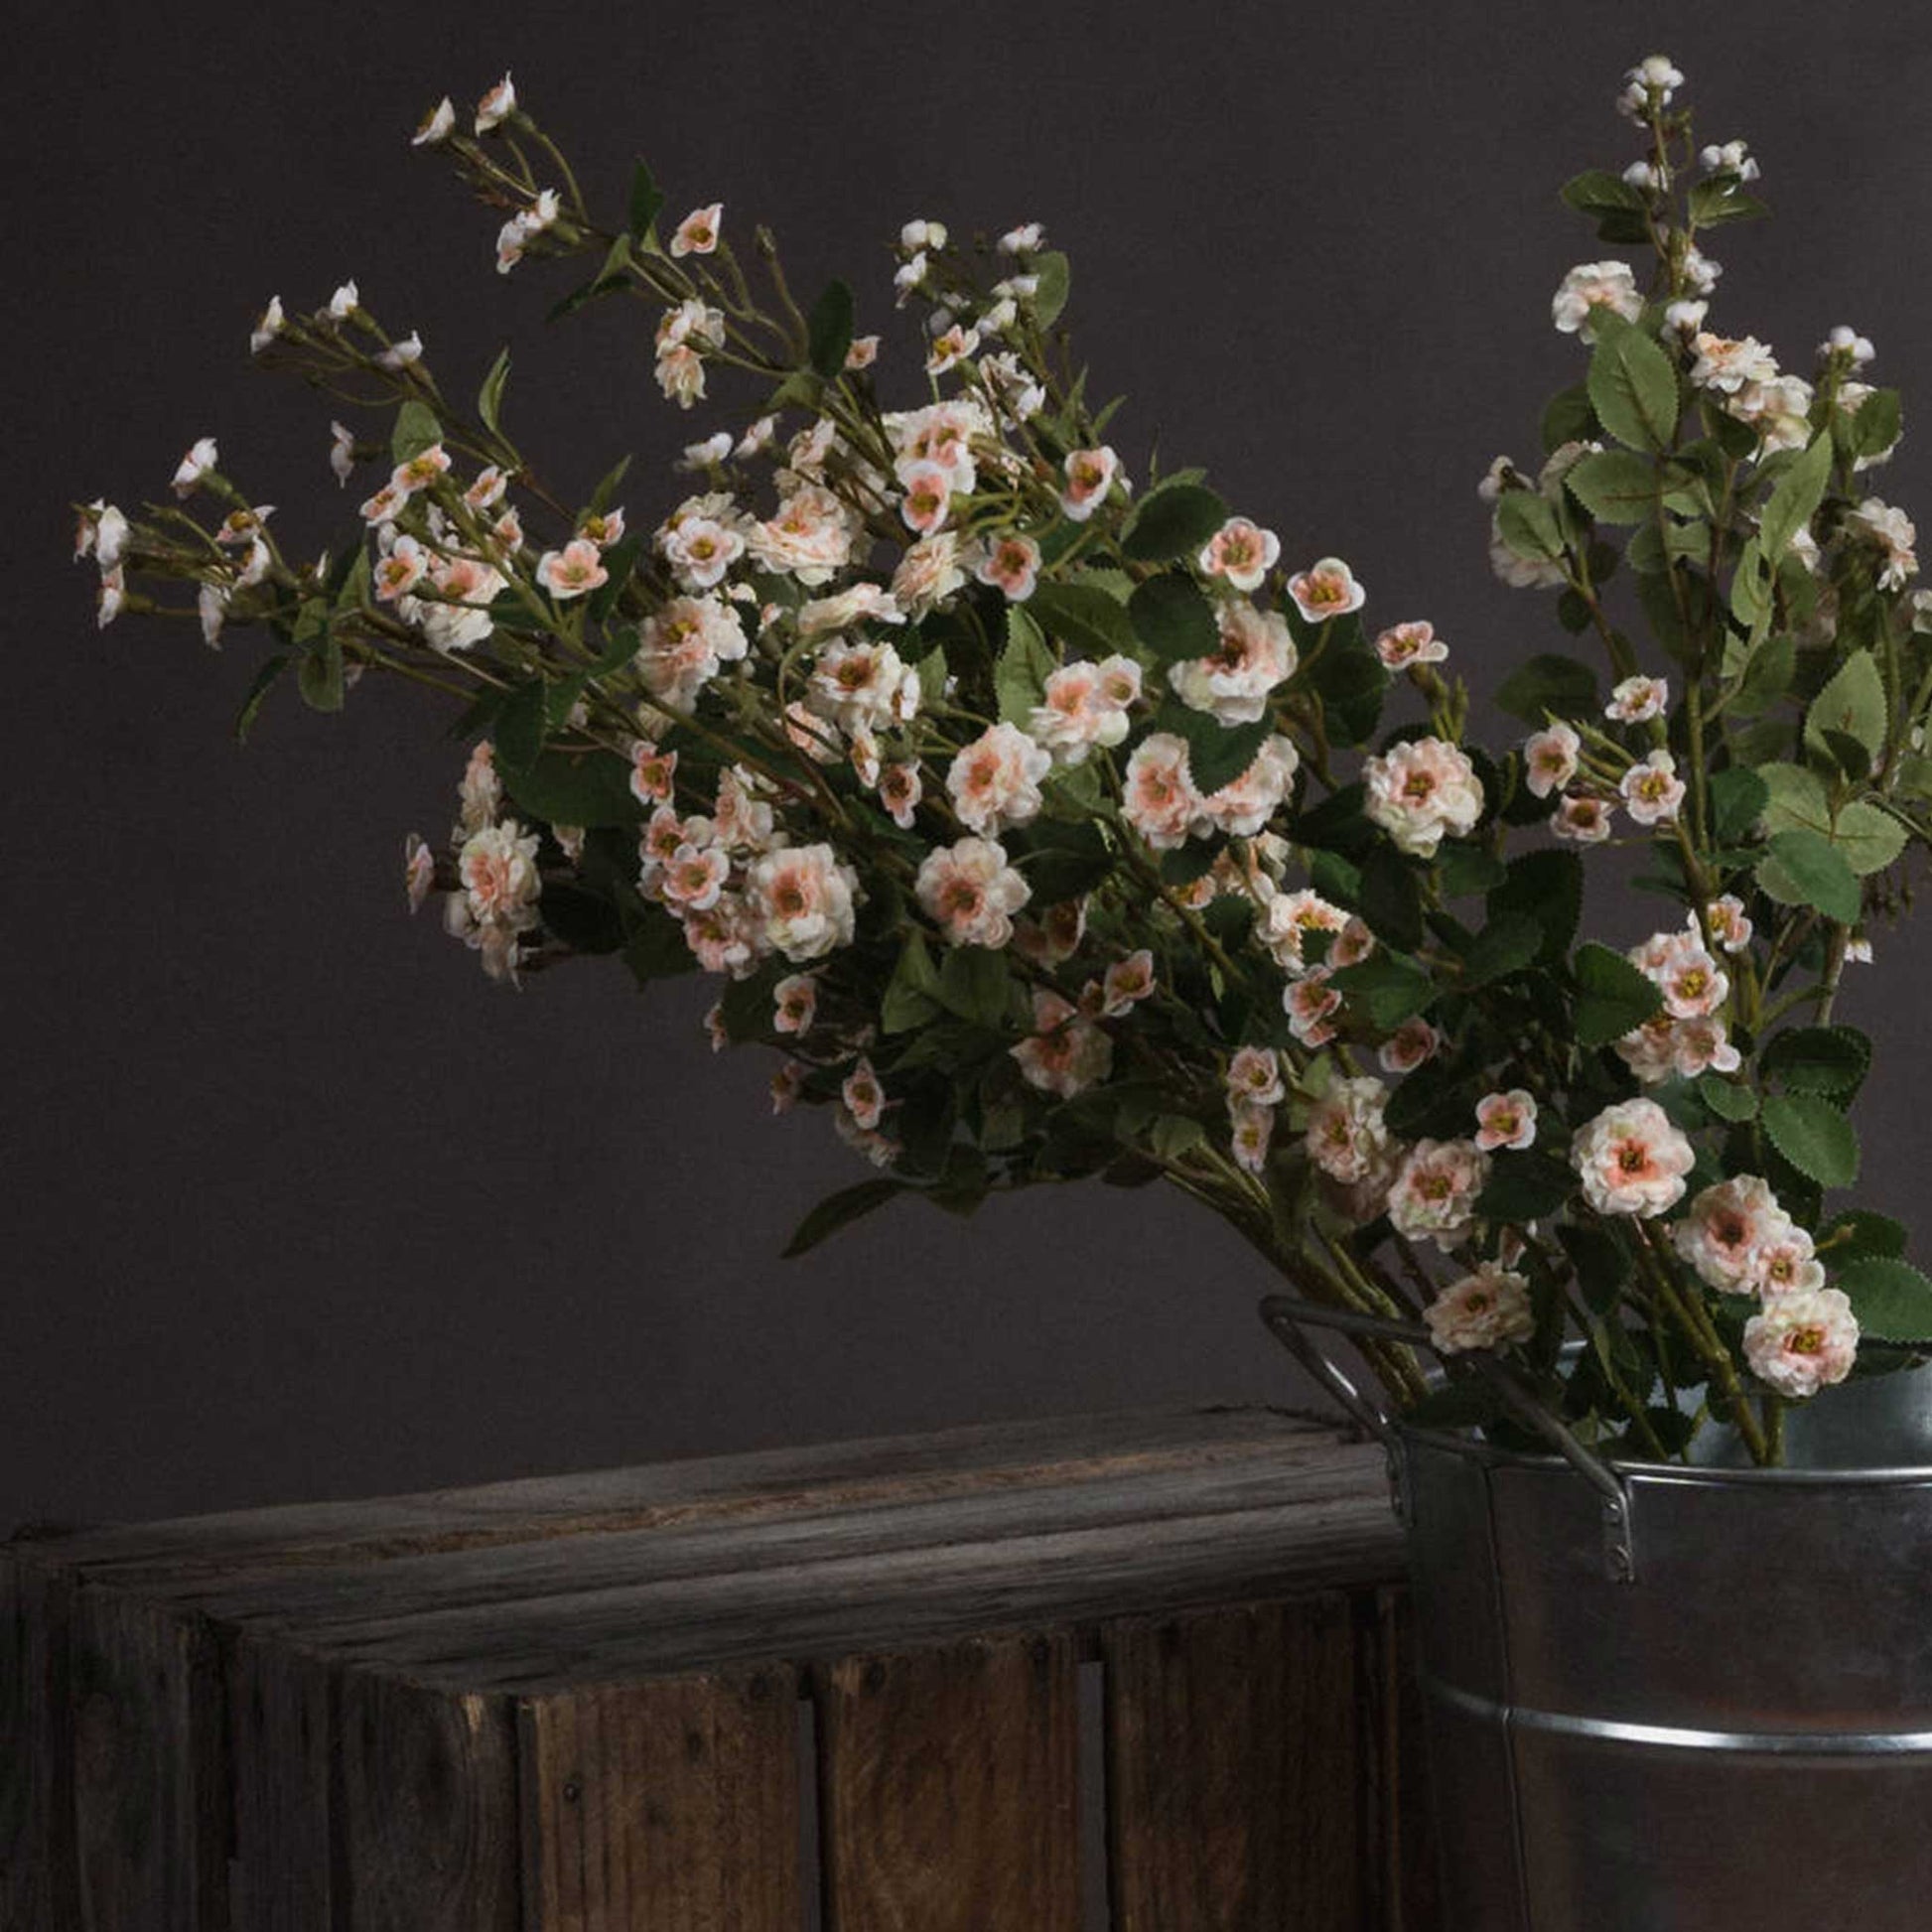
column 1419, row 790
column 1631, row 1159
column 1801, row 1343
column 1485, row 1310
column 1435, row 1191
column 970, row 892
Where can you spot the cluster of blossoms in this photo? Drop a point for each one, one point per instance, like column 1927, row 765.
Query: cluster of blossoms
column 1046, row 819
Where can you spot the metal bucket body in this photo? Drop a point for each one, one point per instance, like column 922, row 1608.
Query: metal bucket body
column 1739, row 1737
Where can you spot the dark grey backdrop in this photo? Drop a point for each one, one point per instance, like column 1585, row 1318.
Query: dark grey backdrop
column 298, row 1205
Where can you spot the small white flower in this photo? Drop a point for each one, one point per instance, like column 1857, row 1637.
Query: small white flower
column 268, row 328
column 1732, row 157
column 435, row 126
column 496, row 106
column 345, row 302
column 195, row 466
column 1847, row 342
column 399, row 356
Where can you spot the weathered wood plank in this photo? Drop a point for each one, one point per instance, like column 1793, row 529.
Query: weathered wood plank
column 303, row 1597
column 36, row 1864
column 1234, row 1751
column 750, row 1487
column 949, row 1789
column 150, row 1769
column 281, row 1743
column 1410, row 1883
column 424, row 1808
column 670, row 1804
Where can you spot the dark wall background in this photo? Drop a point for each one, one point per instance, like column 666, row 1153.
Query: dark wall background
column 297, row 1203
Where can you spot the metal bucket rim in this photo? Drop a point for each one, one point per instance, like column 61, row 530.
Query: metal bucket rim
column 1678, row 1475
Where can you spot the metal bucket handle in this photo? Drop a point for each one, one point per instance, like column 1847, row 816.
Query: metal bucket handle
column 1286, row 1315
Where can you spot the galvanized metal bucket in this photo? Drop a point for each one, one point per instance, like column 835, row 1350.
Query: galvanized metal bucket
column 1671, row 1699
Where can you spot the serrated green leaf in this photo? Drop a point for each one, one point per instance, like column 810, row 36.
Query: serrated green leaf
column 490, row 398
column 1547, row 686
column 1615, row 997
column 1795, row 499
column 264, row 682
column 647, row 202
column 1526, row 521
column 416, row 430
column 1804, row 868
column 1828, row 1061
column 1218, row 753
column 1508, row 943
column 1547, row 886
column 829, row 329
column 1172, row 618
column 1601, row 1262
column 1524, row 1187
column 1858, row 1232
column 974, row 981
column 1727, row 1099
column 1025, row 664
column 592, row 789
column 1869, row 836
column 519, row 727
column 910, row 994
column 1174, row 520
column 1874, row 428
column 1391, row 898
column 1083, row 615
column 1632, row 385
column 1597, row 192
column 1615, row 485
column 1739, row 798
column 1853, row 702
column 1568, row 418
column 1814, row 1136
column 841, row 1210
column 1891, row 1298
column 1053, row 277
column 1173, row 1135
column 1385, row 989
column 319, row 676
column 1463, row 869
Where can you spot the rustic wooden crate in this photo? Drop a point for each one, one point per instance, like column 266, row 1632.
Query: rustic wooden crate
column 850, row 1686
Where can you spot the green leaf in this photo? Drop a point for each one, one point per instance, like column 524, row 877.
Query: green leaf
column 1337, row 824
column 974, row 983
column 1792, row 504
column 1798, row 800
column 1054, row 276
column 910, row 994
column 1728, row 1099
column 1385, row 989
column 519, row 727
column 1023, row 666
column 614, row 275
column 1083, row 617
column 1719, row 201
column 1806, row 869
column 1463, row 869
column 1218, row 753
column 656, row 948
column 1858, row 1232
column 1616, row 997
column 1527, row 522
column 1391, row 898
column 1601, row 1262
column 1814, row 1136
column 1060, row 860
column 1545, row 686
column 1875, row 426
column 1739, row 798
column 1569, row 418
column 1508, row 943
column 1174, row 520
column 1869, row 836
column 1615, row 485
column 1890, row 1297
column 1172, row 618
column 829, row 329
column 841, row 1210
column 1548, row 885
column 1597, row 192
column 646, row 201
column 1853, row 702
column 1632, row 385
column 265, row 681
column 592, row 789
column 1828, row 1061
column 490, row 398
column 1173, row 1135
column 416, row 430
column 319, row 676
column 1525, row 1186
column 609, row 485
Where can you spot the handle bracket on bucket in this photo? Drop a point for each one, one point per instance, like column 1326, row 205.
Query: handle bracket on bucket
column 1286, row 1315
